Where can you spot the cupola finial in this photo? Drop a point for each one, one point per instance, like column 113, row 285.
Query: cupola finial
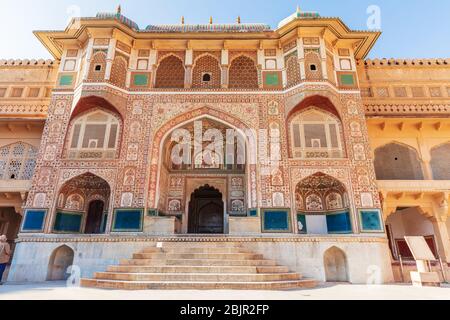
column 119, row 9
column 182, row 19
column 238, row 20
column 210, row 20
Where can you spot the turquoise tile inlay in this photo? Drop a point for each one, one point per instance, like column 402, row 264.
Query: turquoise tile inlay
column 276, row 220
column 371, row 221
column 34, row 220
column 68, row 222
column 128, row 220
column 339, row 222
column 140, row 80
column 253, row 212
column 347, row 79
column 66, row 80
column 272, row 79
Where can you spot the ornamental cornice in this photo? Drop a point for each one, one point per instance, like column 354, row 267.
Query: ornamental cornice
column 414, row 186
column 404, row 109
column 180, row 239
column 21, row 109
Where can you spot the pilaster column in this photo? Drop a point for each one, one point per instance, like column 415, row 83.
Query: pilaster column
column 152, row 66
column 427, row 171
column 188, row 64
column 88, row 59
column 323, row 56
column 440, row 212
column 110, row 58
column 188, row 77
column 224, row 76
column 301, row 58
column 281, row 66
column 224, row 62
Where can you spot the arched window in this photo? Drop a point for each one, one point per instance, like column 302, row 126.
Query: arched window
column 396, row 161
column 243, row 73
column 94, row 136
column 316, row 134
column 170, row 73
column 206, row 72
column 17, row 161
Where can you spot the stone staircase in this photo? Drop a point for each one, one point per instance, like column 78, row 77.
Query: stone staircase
column 198, row 266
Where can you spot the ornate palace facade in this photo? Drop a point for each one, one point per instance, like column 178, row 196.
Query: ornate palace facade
column 358, row 150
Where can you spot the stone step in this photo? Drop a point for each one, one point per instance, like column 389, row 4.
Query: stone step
column 225, row 256
column 203, row 244
column 196, row 262
column 184, row 250
column 198, row 285
column 198, row 269
column 203, row 277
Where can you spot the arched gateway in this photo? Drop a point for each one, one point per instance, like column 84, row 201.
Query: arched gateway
column 206, row 211
column 203, row 175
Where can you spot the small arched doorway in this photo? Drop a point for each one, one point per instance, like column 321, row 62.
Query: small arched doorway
column 60, row 260
column 94, row 217
column 206, row 211
column 335, row 264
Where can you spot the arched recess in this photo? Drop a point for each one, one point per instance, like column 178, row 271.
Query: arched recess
column 170, row 73
column 323, row 203
column 335, row 264
column 60, row 260
column 440, row 162
column 397, row 161
column 410, row 220
column 78, row 208
column 90, row 102
column 243, row 73
column 94, row 134
column 315, row 130
column 206, row 72
column 17, row 161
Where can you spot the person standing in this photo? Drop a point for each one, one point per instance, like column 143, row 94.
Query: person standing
column 5, row 254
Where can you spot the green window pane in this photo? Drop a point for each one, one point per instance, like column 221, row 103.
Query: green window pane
column 140, row 80
column 347, row 79
column 66, row 80
column 272, row 79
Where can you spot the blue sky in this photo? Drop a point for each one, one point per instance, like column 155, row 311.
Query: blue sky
column 413, row 28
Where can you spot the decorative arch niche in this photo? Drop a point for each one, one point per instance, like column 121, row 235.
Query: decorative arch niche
column 322, row 205
column 335, row 265
column 60, row 260
column 75, row 212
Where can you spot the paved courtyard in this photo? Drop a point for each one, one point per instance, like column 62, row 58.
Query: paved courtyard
column 59, row 291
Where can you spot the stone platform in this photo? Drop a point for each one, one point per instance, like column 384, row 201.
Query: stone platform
column 215, row 265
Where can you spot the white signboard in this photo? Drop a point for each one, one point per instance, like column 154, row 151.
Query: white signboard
column 419, row 248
